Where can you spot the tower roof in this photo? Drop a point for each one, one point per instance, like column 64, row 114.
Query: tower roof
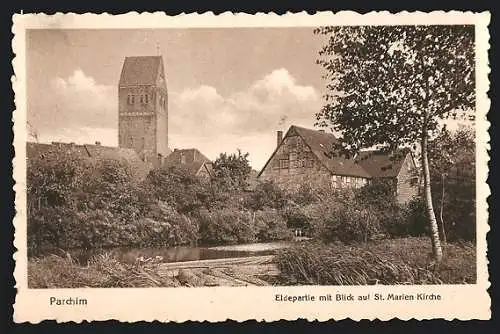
column 141, row 70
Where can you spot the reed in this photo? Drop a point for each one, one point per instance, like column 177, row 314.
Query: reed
column 103, row 271
column 396, row 261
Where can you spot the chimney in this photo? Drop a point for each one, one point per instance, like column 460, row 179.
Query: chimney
column 279, row 138
column 98, row 143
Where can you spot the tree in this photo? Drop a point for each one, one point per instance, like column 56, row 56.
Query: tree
column 391, row 85
column 452, row 170
column 232, row 170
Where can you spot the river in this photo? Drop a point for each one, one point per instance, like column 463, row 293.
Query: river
column 182, row 253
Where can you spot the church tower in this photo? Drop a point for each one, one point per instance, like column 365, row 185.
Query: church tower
column 143, row 108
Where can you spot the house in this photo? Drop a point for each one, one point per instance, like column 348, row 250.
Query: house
column 191, row 160
column 305, row 156
column 58, row 150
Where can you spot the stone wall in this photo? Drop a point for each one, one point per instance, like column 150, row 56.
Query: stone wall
column 143, row 121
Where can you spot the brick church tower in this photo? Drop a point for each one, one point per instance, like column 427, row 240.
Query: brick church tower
column 143, row 108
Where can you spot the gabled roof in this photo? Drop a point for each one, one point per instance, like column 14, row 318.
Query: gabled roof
column 91, row 152
column 321, row 145
column 367, row 164
column 381, row 164
column 141, row 70
column 190, row 159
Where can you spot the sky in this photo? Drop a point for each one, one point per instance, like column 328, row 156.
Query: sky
column 228, row 88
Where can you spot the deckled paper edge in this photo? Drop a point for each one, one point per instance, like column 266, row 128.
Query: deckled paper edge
column 27, row 312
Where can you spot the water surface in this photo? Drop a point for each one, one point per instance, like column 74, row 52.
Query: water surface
column 182, row 253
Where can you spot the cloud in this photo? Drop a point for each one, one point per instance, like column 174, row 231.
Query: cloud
column 71, row 104
column 78, row 109
column 247, row 119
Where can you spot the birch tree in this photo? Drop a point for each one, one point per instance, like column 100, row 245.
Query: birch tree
column 391, row 86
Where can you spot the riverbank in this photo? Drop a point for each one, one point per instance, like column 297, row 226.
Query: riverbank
column 390, row 261
column 106, row 272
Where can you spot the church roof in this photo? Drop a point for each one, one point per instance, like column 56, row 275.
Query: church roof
column 142, row 70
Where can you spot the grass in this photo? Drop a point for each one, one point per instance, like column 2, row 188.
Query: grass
column 103, row 271
column 394, row 261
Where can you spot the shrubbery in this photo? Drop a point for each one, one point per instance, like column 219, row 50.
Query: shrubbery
column 77, row 203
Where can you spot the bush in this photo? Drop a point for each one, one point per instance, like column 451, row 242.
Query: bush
column 271, row 226
column 459, row 211
column 226, row 226
column 171, row 227
column 352, row 223
column 266, row 195
column 415, row 223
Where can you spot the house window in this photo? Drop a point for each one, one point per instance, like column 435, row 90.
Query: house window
column 414, row 181
column 284, row 164
column 293, row 156
column 334, row 182
column 132, row 99
column 299, row 145
column 146, row 98
column 142, row 99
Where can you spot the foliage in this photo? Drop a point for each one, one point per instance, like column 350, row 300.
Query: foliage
column 390, row 86
column 395, row 261
column 414, row 223
column 379, row 192
column 270, row 225
column 266, row 195
column 174, row 228
column 452, row 168
column 390, row 76
column 226, row 226
column 232, row 170
column 179, row 188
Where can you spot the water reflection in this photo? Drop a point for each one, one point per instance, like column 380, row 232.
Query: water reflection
column 180, row 253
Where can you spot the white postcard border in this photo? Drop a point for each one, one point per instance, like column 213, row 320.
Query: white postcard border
column 462, row 302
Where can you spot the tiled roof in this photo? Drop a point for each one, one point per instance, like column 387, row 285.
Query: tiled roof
column 92, row 152
column 321, row 145
column 381, row 164
column 141, row 70
column 190, row 159
column 367, row 164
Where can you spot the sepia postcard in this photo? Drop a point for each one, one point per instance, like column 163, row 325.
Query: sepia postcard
column 210, row 167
